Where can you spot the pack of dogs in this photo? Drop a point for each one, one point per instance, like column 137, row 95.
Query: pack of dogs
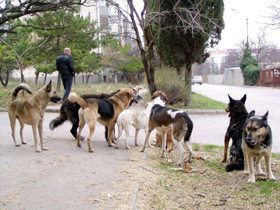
column 250, row 134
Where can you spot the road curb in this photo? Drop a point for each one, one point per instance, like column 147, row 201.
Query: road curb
column 189, row 111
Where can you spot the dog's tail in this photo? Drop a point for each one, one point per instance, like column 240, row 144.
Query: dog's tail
column 58, row 120
column 235, row 166
column 189, row 128
column 19, row 88
column 74, row 98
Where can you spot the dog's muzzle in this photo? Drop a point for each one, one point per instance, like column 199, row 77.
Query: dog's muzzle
column 55, row 99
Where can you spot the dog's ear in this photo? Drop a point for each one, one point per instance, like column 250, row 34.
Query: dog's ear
column 243, row 99
column 252, row 113
column 230, row 99
column 265, row 116
column 49, row 87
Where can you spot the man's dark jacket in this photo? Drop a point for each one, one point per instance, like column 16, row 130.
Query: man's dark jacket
column 65, row 65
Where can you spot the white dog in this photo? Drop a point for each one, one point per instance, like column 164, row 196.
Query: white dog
column 138, row 119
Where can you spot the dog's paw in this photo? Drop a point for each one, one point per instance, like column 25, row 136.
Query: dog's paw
column 251, row 180
column 128, row 147
column 45, row 148
column 91, row 150
column 246, row 172
column 38, row 150
column 224, row 160
column 24, row 142
column 261, row 173
column 142, row 150
column 271, row 177
column 17, row 145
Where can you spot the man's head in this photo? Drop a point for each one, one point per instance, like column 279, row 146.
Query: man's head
column 67, row 51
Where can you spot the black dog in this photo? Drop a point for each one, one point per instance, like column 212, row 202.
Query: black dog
column 69, row 111
column 238, row 114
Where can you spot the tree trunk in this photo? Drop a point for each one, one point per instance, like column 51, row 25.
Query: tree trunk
column 5, row 83
column 188, row 85
column 45, row 78
column 58, row 88
column 37, row 78
column 22, row 75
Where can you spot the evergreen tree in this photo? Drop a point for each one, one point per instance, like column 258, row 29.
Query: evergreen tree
column 250, row 67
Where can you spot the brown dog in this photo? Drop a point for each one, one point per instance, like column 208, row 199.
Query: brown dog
column 31, row 112
column 168, row 140
column 105, row 111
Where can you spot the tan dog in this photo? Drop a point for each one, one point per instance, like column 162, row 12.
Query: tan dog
column 105, row 111
column 168, row 140
column 31, row 112
column 257, row 143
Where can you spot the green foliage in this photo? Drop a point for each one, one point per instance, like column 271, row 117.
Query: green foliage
column 72, row 30
column 251, row 74
column 180, row 45
column 250, row 67
column 7, row 62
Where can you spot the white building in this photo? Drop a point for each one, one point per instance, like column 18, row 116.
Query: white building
column 110, row 19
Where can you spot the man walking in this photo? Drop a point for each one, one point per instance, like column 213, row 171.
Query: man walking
column 65, row 66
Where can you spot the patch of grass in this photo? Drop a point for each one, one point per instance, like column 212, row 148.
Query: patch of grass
column 202, row 102
column 275, row 155
column 210, row 147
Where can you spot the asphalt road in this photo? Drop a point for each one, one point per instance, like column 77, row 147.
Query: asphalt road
column 260, row 99
column 68, row 177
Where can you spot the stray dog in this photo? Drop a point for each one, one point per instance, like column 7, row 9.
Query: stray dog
column 257, row 142
column 105, row 111
column 138, row 119
column 31, row 112
column 238, row 114
column 169, row 141
column 163, row 118
column 69, row 111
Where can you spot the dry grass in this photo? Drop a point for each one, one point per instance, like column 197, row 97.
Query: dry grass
column 207, row 186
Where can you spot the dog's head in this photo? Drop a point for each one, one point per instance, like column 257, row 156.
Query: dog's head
column 256, row 130
column 161, row 95
column 236, row 107
column 126, row 95
column 50, row 93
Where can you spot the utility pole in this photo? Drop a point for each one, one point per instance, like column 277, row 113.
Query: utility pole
column 247, row 30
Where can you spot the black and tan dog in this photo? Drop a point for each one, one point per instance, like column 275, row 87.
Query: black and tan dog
column 69, row 111
column 105, row 111
column 162, row 119
column 257, row 143
column 238, row 114
column 31, row 112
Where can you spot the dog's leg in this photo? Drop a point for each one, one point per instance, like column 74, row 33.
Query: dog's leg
column 146, row 139
column 119, row 135
column 163, row 153
column 37, row 148
column 81, row 126
column 136, row 136
column 40, row 129
column 181, row 150
column 21, row 133
column 227, row 138
column 111, row 135
column 251, row 168
column 258, row 164
column 91, row 131
column 268, row 166
column 191, row 153
column 13, row 127
column 245, row 160
column 126, row 137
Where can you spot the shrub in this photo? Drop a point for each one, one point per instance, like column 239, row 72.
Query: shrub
column 251, row 74
column 170, row 82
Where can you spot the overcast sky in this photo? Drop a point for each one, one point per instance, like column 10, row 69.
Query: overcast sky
column 235, row 14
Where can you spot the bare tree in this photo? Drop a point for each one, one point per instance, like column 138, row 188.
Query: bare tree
column 17, row 8
column 189, row 18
